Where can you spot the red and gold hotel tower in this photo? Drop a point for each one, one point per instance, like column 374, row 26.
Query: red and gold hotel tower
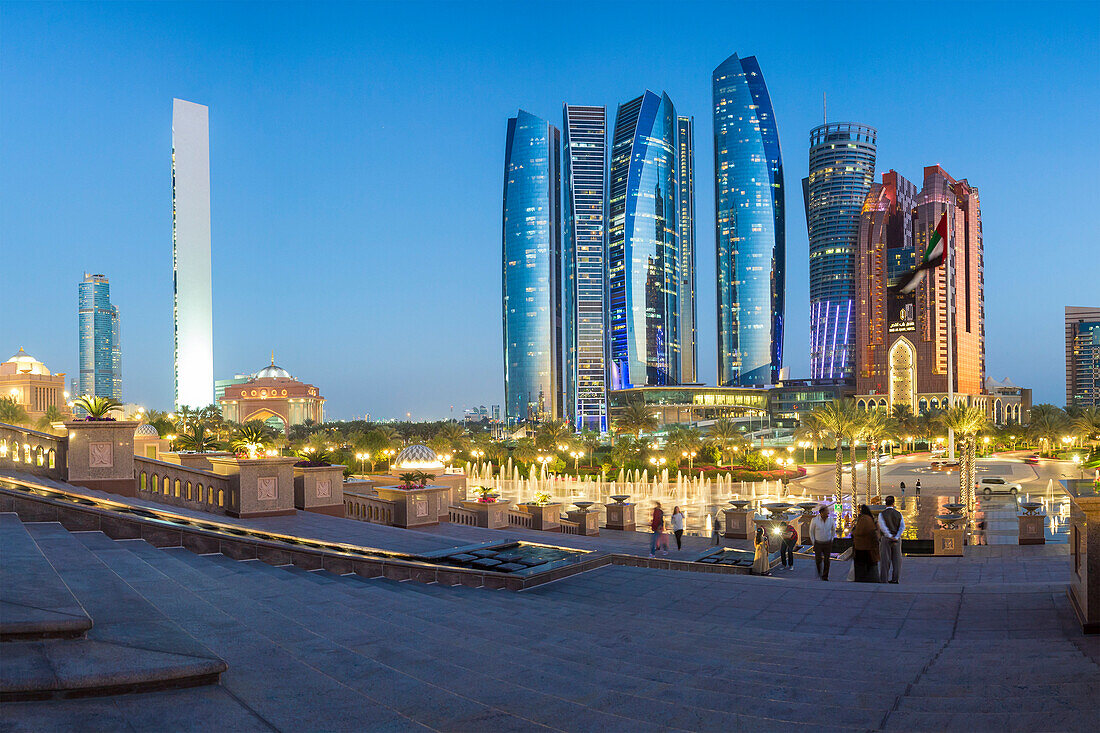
column 902, row 340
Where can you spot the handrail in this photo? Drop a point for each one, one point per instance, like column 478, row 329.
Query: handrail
column 569, row 527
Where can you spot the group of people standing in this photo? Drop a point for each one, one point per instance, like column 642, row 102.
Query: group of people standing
column 876, row 544
column 658, row 540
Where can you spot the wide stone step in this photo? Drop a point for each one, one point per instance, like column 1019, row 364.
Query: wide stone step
column 1083, row 689
column 1025, row 700
column 1010, row 721
column 34, row 602
column 40, row 670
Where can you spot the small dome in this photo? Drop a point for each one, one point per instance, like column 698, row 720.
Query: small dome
column 25, row 363
column 272, row 372
column 416, row 458
column 146, row 431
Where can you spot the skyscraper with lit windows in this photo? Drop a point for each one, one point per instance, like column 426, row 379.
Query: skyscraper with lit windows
column 842, row 169
column 532, row 271
column 584, row 249
column 749, row 226
column 100, row 344
column 643, row 245
column 685, row 142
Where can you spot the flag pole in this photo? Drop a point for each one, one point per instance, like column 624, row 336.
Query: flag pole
column 950, row 321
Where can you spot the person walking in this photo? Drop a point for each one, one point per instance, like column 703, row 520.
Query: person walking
column 865, row 547
column 903, row 491
column 760, row 561
column 662, row 540
column 716, row 526
column 822, row 534
column 918, row 487
column 656, row 526
column 891, row 525
column 678, row 527
column 789, row 535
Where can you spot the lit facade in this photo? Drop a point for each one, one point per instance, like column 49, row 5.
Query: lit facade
column 749, row 226
column 191, row 274
column 532, row 270
column 272, row 396
column 643, row 247
column 100, row 342
column 842, row 169
column 1082, row 356
column 685, row 163
column 901, row 342
column 584, row 254
column 31, row 384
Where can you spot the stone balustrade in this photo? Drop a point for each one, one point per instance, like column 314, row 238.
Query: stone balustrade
column 368, row 508
column 459, row 515
column 520, row 519
column 177, row 485
column 567, row 527
column 31, row 451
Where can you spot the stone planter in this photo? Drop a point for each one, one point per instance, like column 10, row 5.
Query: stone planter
column 620, row 516
column 1032, row 529
column 197, row 461
column 100, row 455
column 588, row 521
column 739, row 524
column 948, row 542
column 543, row 516
column 492, row 515
column 319, row 489
column 258, row 487
column 419, row 507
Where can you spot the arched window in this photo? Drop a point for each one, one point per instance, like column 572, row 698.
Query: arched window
column 177, row 489
column 861, row 405
column 53, row 458
column 143, row 482
column 187, row 489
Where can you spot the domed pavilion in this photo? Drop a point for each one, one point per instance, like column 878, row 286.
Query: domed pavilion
column 31, row 384
column 273, row 396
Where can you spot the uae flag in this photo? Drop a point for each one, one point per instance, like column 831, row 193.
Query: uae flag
column 933, row 257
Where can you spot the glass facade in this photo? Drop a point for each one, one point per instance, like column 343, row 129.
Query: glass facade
column 643, row 246
column 100, row 347
column 1082, row 356
column 584, row 328
column 532, row 267
column 685, row 138
column 749, row 226
column 842, row 169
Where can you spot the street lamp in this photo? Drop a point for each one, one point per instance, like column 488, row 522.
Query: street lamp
column 1080, row 467
column 576, row 459
column 544, row 459
column 171, row 438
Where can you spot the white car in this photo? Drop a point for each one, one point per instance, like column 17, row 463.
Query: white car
column 996, row 485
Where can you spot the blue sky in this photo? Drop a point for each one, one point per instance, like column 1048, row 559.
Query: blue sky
column 357, row 163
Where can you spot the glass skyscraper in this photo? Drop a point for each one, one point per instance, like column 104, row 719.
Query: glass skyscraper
column 584, row 328
column 532, row 268
column 842, row 169
column 643, row 245
column 100, row 347
column 749, row 226
column 685, row 140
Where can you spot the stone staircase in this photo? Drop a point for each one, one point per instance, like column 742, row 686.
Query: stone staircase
column 618, row 648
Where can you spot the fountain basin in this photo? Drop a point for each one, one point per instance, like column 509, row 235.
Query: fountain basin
column 620, row 498
column 739, row 503
column 583, row 505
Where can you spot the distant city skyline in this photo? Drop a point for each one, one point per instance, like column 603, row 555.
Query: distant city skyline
column 347, row 232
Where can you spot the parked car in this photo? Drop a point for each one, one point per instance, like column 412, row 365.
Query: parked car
column 944, row 464
column 1032, row 459
column 996, row 485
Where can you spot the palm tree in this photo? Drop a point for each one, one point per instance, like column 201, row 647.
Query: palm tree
column 97, row 407
column 590, row 441
column 250, row 439
column 724, row 435
column 197, row 439
column 627, row 450
column 551, row 433
column 967, row 421
column 838, row 418
column 810, row 430
column 1047, row 423
column 52, row 415
column 636, row 419
column 1087, row 424
column 12, row 413
column 876, row 427
column 525, row 451
column 452, row 436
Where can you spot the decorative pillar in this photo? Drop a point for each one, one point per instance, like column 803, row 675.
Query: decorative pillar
column 100, row 455
column 1084, row 548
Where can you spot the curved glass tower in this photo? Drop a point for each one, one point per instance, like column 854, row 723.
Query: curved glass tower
column 749, row 226
column 643, row 246
column 842, row 169
column 531, row 270
column 585, row 243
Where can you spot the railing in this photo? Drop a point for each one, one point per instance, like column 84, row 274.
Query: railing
column 23, row 449
column 568, row 527
column 170, row 483
column 368, row 508
column 520, row 519
column 458, row 515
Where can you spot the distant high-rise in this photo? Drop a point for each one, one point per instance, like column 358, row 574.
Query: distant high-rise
column 532, row 269
column 1082, row 357
column 901, row 341
column 100, row 345
column 749, row 226
column 643, row 247
column 842, row 169
column 193, row 304
column 585, row 245
column 685, row 141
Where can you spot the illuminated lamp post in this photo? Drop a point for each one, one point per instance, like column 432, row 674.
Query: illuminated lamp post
column 543, row 460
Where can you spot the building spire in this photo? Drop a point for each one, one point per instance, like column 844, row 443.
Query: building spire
column 824, row 110
column 273, row 357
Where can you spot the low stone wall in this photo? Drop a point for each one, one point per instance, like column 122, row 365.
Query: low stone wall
column 172, row 484
column 31, row 451
column 367, row 508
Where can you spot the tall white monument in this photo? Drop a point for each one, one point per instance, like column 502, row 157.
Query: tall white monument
column 193, row 311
